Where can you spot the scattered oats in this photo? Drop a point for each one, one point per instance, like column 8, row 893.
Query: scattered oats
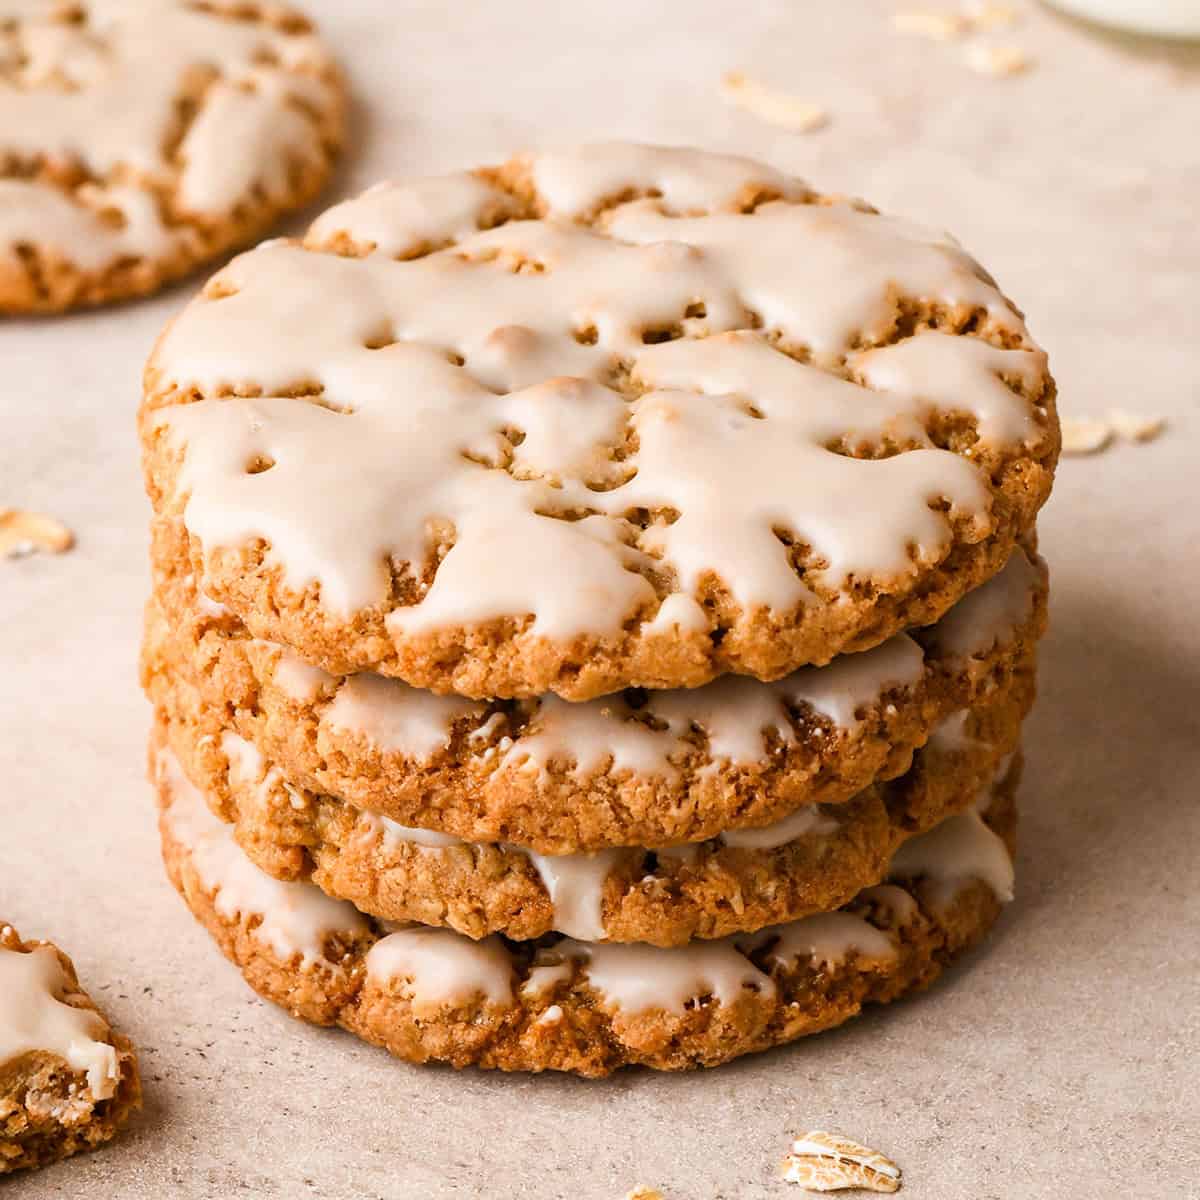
column 641, row 1192
column 985, row 16
column 828, row 1162
column 928, row 22
column 1085, row 437
column 23, row 533
column 1090, row 435
column 1134, row 427
column 997, row 61
column 776, row 108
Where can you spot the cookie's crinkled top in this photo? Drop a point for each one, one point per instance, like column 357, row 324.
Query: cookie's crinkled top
column 593, row 418
column 34, row 1017
column 94, row 90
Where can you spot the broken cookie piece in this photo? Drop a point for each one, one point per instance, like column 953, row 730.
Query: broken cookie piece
column 68, row 1082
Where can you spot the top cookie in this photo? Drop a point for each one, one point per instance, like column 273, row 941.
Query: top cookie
column 626, row 416
column 139, row 137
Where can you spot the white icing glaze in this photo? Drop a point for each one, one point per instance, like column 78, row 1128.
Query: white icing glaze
column 689, row 180
column 246, row 762
column 737, row 712
column 988, row 616
column 961, row 849
column 950, row 736
column 575, row 883
column 804, row 822
column 34, row 1017
column 635, row 978
column 396, row 717
column 443, row 968
column 400, row 219
column 302, row 681
column 732, row 433
column 903, row 906
column 825, row 939
column 736, row 478
column 942, row 369
column 678, row 611
column 103, row 93
column 589, row 736
column 854, row 681
column 294, row 919
column 840, row 270
column 543, row 978
column 395, row 834
column 35, row 214
column 270, row 137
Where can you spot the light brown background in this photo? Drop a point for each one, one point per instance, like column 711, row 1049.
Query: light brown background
column 1061, row 1060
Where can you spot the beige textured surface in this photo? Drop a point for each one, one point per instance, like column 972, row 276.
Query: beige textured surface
column 1068, row 1044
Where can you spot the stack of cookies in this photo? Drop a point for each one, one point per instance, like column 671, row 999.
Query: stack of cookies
column 595, row 606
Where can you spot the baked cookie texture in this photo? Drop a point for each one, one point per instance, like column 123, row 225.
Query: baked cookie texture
column 814, row 859
column 431, row 994
column 139, row 138
column 640, row 769
column 68, row 1081
column 624, row 416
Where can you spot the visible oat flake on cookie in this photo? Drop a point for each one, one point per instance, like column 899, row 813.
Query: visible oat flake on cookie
column 828, row 1162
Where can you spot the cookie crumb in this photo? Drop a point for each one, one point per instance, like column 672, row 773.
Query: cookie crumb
column 829, row 1162
column 776, row 108
column 997, row 61
column 930, row 23
column 23, row 533
column 641, row 1192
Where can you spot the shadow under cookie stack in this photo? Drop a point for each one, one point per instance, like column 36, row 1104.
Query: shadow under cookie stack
column 595, row 606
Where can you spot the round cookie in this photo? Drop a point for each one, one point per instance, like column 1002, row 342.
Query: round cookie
column 431, row 994
column 68, row 1082
column 648, row 769
column 141, row 137
column 625, row 416
column 813, row 860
